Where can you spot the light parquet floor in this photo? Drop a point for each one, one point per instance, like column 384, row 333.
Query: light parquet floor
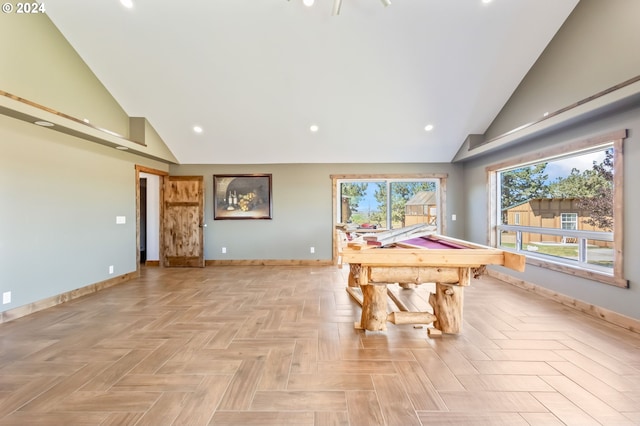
column 266, row 345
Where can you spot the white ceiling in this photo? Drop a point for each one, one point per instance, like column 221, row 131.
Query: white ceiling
column 255, row 74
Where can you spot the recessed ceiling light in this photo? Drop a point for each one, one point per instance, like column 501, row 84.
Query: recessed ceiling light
column 43, row 123
column 127, row 3
column 428, row 127
column 308, row 3
column 486, row 1
column 122, row 148
column 197, row 129
column 545, row 114
column 314, row 128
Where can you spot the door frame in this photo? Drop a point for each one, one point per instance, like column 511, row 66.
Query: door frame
column 142, row 169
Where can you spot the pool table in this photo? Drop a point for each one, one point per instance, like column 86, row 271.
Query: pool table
column 449, row 263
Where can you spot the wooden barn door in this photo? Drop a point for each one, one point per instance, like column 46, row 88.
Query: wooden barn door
column 183, row 230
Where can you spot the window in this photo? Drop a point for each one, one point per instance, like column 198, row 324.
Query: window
column 569, row 221
column 362, row 202
column 389, row 201
column 557, row 207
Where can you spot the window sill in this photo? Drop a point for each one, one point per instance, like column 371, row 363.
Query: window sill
column 578, row 272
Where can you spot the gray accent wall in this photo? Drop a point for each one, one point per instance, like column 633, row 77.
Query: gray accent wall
column 59, row 199
column 60, row 196
column 39, row 65
column 302, row 209
column 593, row 51
column 624, row 301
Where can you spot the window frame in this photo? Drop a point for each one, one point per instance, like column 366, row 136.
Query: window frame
column 615, row 140
column 336, row 179
column 573, row 221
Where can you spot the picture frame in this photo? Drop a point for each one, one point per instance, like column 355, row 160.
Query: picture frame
column 242, row 196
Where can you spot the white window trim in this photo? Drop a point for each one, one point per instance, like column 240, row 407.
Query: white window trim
column 573, row 220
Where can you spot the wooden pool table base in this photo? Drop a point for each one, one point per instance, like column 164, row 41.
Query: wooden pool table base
column 446, row 302
column 449, row 263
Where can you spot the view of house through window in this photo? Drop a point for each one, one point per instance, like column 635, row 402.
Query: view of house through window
column 561, row 208
column 388, row 203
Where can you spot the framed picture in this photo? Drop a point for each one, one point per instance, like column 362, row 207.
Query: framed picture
column 242, row 196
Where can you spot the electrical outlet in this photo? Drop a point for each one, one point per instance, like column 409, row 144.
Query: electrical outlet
column 453, row 217
column 312, row 250
column 224, row 249
column 111, row 269
column 6, row 297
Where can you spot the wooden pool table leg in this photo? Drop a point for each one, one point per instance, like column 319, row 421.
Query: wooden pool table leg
column 373, row 301
column 374, row 307
column 354, row 275
column 447, row 303
column 447, row 307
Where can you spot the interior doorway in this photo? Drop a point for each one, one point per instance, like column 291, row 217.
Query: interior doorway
column 149, row 222
column 149, row 206
column 143, row 219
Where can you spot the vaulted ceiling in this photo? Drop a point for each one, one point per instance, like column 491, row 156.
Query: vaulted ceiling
column 255, row 75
